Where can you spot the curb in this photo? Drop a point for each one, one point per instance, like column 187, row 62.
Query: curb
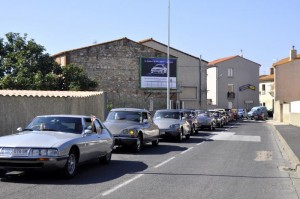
column 286, row 150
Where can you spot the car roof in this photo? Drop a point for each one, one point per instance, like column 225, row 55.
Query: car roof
column 65, row 115
column 130, row 109
column 170, row 110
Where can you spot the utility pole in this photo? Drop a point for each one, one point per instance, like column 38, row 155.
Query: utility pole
column 168, row 60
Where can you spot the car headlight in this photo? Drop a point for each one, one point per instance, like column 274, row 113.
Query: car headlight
column 6, row 151
column 44, row 152
column 174, row 126
column 128, row 131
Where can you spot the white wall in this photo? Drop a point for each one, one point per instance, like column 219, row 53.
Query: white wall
column 295, row 107
column 212, row 84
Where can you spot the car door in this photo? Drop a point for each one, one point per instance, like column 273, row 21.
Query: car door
column 94, row 143
column 185, row 124
column 151, row 131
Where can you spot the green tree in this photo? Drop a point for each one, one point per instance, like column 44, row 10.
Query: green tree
column 25, row 66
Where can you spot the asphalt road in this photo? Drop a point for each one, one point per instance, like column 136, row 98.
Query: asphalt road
column 242, row 160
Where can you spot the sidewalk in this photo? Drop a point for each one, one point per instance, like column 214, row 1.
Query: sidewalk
column 289, row 136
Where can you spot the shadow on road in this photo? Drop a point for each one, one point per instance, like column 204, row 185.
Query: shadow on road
column 89, row 173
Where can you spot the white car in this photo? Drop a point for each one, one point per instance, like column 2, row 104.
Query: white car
column 159, row 69
column 56, row 142
column 172, row 124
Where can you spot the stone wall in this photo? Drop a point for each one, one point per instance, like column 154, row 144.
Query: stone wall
column 116, row 67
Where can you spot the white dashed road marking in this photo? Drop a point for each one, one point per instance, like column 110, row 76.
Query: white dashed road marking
column 168, row 160
column 186, row 150
column 232, row 137
column 140, row 175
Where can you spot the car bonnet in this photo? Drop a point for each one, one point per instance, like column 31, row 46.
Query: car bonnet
column 165, row 123
column 42, row 139
column 115, row 127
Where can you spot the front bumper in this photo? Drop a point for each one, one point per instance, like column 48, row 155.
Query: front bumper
column 125, row 141
column 202, row 125
column 165, row 133
column 28, row 163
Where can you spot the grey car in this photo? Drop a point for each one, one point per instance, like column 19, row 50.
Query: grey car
column 132, row 127
column 172, row 124
column 56, row 142
column 204, row 120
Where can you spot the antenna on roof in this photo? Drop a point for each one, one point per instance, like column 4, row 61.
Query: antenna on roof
column 241, row 52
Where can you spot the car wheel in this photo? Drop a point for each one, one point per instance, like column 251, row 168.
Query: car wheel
column 187, row 136
column 195, row 130
column 2, row 172
column 155, row 142
column 138, row 145
column 71, row 165
column 105, row 159
column 180, row 136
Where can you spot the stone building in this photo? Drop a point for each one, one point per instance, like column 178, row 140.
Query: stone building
column 115, row 65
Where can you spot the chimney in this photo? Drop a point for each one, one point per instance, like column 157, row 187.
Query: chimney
column 271, row 71
column 293, row 54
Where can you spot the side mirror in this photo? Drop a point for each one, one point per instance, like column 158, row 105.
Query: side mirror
column 183, row 118
column 87, row 132
column 19, row 129
column 145, row 120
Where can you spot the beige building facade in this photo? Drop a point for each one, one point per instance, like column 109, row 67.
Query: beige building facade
column 287, row 89
column 266, row 90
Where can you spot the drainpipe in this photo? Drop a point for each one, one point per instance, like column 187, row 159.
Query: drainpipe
column 200, row 79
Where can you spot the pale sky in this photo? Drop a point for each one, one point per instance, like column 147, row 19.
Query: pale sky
column 265, row 30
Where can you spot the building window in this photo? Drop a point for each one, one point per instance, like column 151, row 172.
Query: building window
column 230, row 93
column 230, row 72
column 230, row 87
column 263, row 89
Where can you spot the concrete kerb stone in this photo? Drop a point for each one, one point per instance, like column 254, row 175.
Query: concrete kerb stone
column 285, row 148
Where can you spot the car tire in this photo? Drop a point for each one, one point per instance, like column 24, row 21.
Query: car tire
column 180, row 136
column 70, row 168
column 138, row 145
column 187, row 136
column 155, row 142
column 195, row 130
column 106, row 159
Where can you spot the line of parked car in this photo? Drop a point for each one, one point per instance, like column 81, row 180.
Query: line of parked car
column 65, row 141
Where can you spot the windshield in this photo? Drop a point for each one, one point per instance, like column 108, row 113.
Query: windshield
column 167, row 115
column 52, row 123
column 124, row 115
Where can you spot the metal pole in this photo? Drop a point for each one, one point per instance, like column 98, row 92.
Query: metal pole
column 200, row 79
column 168, row 62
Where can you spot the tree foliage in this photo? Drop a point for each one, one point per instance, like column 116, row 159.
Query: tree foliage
column 25, row 66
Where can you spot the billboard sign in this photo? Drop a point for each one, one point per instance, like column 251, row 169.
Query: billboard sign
column 154, row 73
